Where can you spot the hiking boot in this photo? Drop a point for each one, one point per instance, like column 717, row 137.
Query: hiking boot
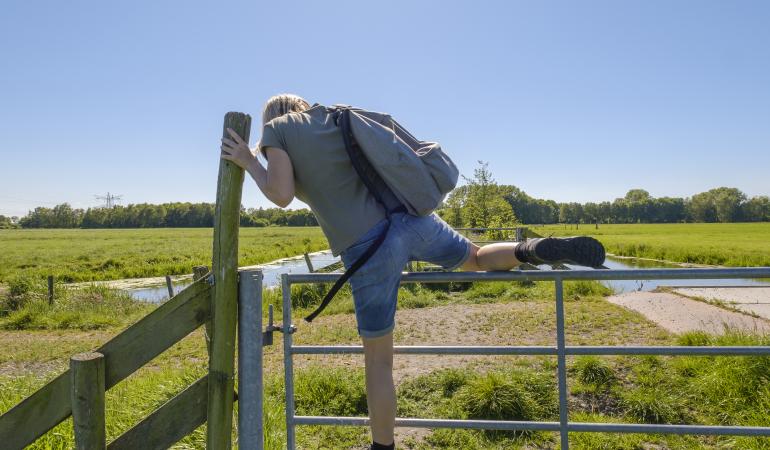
column 580, row 250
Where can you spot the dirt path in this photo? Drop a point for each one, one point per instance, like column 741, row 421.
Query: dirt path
column 515, row 323
column 679, row 314
column 588, row 322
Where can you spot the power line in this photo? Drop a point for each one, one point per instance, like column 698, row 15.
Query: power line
column 109, row 199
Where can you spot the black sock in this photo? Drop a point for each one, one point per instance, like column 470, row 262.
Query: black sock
column 523, row 252
column 376, row 446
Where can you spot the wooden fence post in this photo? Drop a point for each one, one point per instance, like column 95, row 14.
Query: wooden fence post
column 87, row 372
column 198, row 273
column 309, row 263
column 169, row 286
column 225, row 298
column 50, row 290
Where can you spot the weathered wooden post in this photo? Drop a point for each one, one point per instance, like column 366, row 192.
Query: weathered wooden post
column 309, row 263
column 50, row 290
column 169, row 286
column 87, row 372
column 225, row 293
column 198, row 273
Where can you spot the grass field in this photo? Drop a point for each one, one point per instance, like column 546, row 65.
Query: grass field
column 88, row 255
column 727, row 244
column 702, row 390
column 36, row 341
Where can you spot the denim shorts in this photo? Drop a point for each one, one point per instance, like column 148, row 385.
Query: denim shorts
column 410, row 238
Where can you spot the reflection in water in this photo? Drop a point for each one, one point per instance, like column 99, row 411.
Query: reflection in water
column 271, row 275
column 649, row 285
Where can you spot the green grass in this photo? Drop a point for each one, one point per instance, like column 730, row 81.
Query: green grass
column 89, row 255
column 728, row 244
column 25, row 307
column 698, row 390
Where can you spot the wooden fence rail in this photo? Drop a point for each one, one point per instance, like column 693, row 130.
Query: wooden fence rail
column 123, row 355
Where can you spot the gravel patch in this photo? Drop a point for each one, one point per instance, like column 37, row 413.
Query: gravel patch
column 750, row 299
column 679, row 314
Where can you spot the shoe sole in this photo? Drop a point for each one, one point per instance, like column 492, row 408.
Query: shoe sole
column 580, row 250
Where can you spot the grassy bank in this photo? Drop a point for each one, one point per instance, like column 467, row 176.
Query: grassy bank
column 88, row 255
column 727, row 244
column 25, row 306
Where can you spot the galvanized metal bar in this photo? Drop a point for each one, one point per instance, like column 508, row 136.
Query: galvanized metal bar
column 288, row 369
column 671, row 351
column 561, row 365
column 543, row 426
column 427, row 350
column 550, row 275
column 537, row 350
column 250, row 381
column 705, row 430
column 431, row 423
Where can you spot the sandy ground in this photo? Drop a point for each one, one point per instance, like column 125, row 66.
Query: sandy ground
column 752, row 300
column 679, row 314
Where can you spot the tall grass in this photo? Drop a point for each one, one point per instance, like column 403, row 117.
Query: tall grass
column 25, row 307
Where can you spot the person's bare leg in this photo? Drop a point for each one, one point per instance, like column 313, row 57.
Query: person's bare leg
column 380, row 391
column 497, row 256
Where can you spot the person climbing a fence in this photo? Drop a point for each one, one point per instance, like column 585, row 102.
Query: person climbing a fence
column 372, row 187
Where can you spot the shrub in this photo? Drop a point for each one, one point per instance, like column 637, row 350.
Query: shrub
column 651, row 405
column 330, row 392
column 594, row 371
column 20, row 286
column 493, row 397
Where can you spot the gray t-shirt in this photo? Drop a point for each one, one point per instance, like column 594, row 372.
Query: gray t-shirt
column 324, row 178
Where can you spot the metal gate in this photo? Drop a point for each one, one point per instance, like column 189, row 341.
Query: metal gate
column 560, row 350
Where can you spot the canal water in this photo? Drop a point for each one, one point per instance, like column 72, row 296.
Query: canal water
column 272, row 276
column 620, row 286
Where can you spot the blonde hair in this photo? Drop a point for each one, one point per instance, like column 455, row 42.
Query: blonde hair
column 281, row 104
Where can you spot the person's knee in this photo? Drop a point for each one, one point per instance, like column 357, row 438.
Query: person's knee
column 380, row 360
column 472, row 263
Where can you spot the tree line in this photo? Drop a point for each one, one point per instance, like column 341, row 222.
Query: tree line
column 172, row 215
column 480, row 202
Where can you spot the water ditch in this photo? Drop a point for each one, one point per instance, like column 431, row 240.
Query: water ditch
column 156, row 291
column 620, row 286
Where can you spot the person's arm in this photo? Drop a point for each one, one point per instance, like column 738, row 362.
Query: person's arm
column 276, row 182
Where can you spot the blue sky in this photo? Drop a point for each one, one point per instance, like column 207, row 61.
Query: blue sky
column 573, row 101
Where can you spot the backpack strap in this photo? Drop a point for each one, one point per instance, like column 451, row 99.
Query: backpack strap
column 368, row 175
column 348, row 273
